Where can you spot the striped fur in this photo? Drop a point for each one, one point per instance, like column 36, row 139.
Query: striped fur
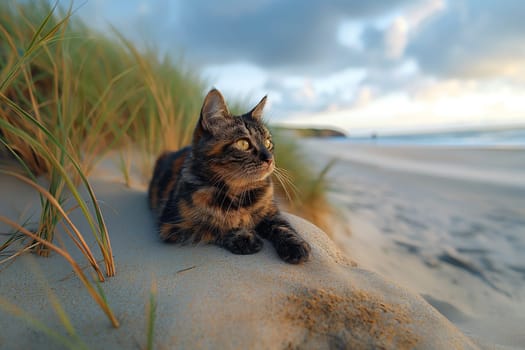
column 219, row 189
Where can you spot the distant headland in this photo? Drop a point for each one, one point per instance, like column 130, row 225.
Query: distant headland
column 311, row 132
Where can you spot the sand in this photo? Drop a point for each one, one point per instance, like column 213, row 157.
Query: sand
column 447, row 223
column 418, row 237
column 208, row 298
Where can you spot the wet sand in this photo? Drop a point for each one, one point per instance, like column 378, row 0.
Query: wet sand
column 447, row 223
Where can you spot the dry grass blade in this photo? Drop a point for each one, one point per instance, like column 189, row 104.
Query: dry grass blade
column 101, row 234
column 39, row 325
column 19, row 252
column 78, row 270
column 39, row 38
column 79, row 239
column 45, row 90
column 53, row 299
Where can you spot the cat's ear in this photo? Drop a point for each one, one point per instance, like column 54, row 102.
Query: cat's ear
column 213, row 110
column 257, row 111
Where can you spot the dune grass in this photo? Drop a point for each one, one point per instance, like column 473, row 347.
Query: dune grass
column 94, row 94
column 36, row 133
column 69, row 96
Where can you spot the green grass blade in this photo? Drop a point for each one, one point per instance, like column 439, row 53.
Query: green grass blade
column 101, row 235
column 36, row 42
column 151, row 315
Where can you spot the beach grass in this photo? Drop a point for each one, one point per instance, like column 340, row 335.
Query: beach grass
column 94, row 93
column 69, row 96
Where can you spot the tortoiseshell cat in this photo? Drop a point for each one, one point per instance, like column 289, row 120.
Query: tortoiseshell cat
column 219, row 189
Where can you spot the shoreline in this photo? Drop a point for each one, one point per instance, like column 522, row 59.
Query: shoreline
column 492, row 165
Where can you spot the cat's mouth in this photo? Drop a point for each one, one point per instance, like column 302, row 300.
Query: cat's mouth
column 267, row 169
column 259, row 173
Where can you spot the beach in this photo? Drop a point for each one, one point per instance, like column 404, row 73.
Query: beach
column 442, row 223
column 446, row 222
column 399, row 173
column 204, row 296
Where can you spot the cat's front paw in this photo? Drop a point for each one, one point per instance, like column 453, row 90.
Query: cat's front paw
column 294, row 250
column 242, row 242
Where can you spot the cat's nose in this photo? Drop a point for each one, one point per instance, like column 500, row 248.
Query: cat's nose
column 266, row 157
column 268, row 161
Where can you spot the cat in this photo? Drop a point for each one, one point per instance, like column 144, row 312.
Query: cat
column 219, row 189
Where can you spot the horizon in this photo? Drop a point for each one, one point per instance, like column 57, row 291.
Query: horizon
column 400, row 131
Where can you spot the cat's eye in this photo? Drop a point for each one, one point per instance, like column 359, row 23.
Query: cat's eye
column 268, row 144
column 242, row 144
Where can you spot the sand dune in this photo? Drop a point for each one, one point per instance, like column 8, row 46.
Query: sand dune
column 209, row 298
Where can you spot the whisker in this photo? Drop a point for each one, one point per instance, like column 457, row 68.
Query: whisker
column 283, row 186
column 288, row 178
column 283, row 172
column 286, row 183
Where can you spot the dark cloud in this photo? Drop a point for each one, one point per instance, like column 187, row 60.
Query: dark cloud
column 273, row 33
column 471, row 39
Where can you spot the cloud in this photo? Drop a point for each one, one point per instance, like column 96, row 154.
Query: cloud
column 388, row 39
column 363, row 57
column 473, row 39
column 448, row 106
column 364, row 96
column 293, row 94
column 396, row 38
column 271, row 33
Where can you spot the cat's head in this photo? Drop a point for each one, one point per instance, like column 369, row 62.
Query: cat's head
column 237, row 149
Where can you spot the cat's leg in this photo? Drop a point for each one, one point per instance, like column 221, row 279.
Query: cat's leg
column 291, row 247
column 241, row 241
column 172, row 227
column 172, row 233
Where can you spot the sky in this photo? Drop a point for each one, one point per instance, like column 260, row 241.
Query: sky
column 360, row 66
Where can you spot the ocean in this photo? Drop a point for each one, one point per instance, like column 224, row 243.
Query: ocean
column 469, row 138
